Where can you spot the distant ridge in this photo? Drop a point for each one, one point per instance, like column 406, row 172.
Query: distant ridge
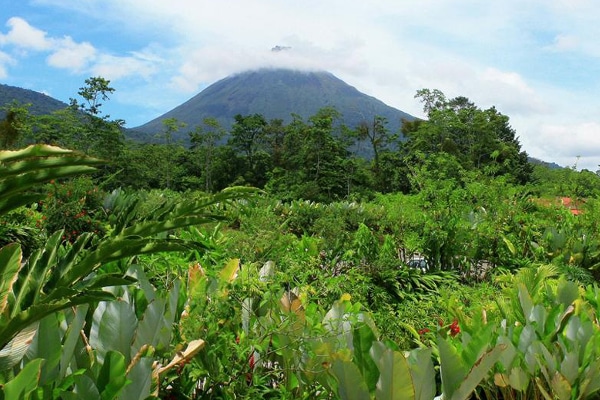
column 277, row 93
column 40, row 103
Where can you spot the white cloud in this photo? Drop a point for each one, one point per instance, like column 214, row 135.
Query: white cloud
column 25, row 36
column 68, row 54
column 5, row 61
column 76, row 57
column 114, row 68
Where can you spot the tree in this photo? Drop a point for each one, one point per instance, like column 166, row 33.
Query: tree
column 313, row 160
column 100, row 136
column 14, row 126
column 247, row 137
column 479, row 139
column 204, row 140
column 170, row 127
column 380, row 138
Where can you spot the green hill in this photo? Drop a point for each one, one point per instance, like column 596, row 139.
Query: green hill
column 40, row 103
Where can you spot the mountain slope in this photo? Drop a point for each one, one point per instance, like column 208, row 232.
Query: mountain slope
column 40, row 103
column 277, row 93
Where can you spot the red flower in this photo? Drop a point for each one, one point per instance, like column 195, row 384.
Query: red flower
column 454, row 328
column 423, row 331
column 251, row 361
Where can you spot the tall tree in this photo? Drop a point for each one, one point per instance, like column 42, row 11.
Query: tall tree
column 204, row 140
column 14, row 126
column 479, row 139
column 314, row 159
column 101, row 136
column 380, row 139
column 248, row 138
column 170, row 127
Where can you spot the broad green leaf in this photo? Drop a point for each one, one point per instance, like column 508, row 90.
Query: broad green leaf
column 569, row 367
column 363, row 339
column 15, row 349
column 112, row 378
column 10, row 265
column 395, row 381
column 525, row 301
column 25, row 382
column 72, row 335
column 86, row 388
column 351, row 385
column 153, row 329
column 47, row 345
column 481, row 369
column 452, row 369
column 591, row 383
column 423, row 373
column 113, row 327
column 567, row 292
column 140, row 376
column 561, row 389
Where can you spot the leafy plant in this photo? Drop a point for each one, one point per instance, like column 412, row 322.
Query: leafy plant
column 60, row 275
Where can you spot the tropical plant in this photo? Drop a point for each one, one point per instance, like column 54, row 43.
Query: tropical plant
column 60, row 276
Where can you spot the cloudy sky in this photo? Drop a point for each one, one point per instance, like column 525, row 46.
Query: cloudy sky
column 537, row 61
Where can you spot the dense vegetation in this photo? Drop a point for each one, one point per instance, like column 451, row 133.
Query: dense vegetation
column 279, row 264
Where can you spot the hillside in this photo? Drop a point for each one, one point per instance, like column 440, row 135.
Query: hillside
column 40, row 103
column 277, row 93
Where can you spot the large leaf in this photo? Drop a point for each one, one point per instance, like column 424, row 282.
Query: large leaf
column 15, row 349
column 112, row 378
column 113, row 327
column 153, row 329
column 363, row 340
column 10, row 265
column 72, row 336
column 140, row 377
column 46, row 345
column 25, row 382
column 351, row 385
column 395, row 381
column 458, row 379
column 423, row 373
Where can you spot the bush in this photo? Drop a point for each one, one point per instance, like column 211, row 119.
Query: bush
column 74, row 205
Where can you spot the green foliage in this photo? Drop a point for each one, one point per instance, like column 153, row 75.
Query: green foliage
column 73, row 206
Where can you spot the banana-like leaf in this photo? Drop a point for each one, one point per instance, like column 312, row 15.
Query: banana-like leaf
column 351, row 385
column 20, row 321
column 113, row 328
column 141, row 378
column 458, row 379
column 25, row 382
column 112, row 378
column 363, row 340
column 10, row 265
column 422, row 372
column 72, row 335
column 16, row 348
column 395, row 381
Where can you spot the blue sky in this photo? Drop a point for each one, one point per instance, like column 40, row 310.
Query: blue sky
column 537, row 61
